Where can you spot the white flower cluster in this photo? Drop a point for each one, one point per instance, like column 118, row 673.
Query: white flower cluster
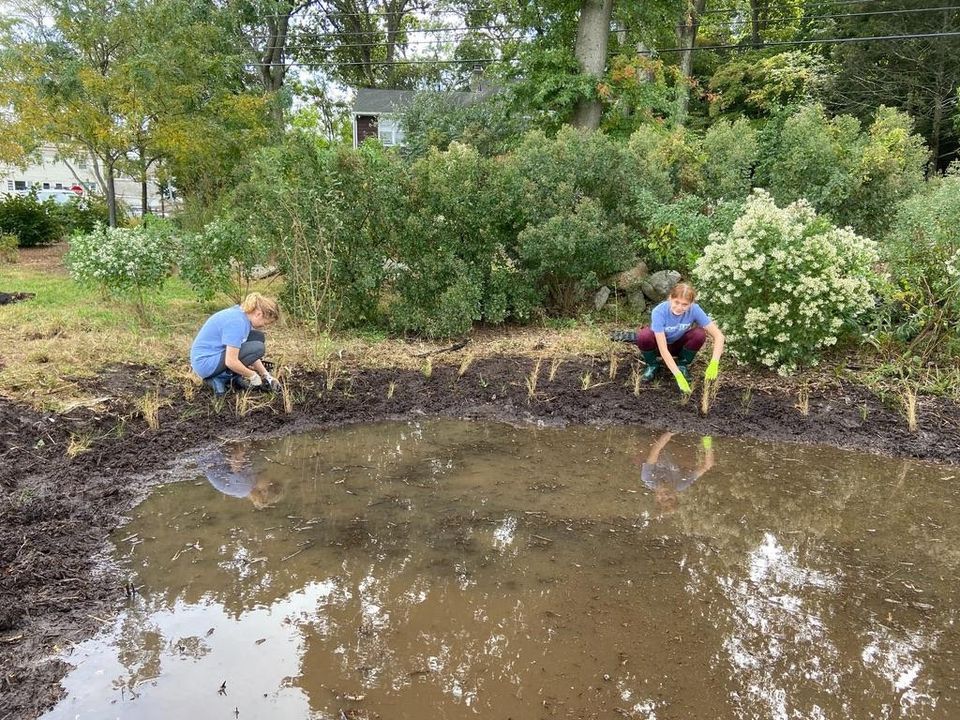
column 121, row 259
column 783, row 283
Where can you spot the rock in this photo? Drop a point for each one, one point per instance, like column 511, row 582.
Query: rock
column 629, row 280
column 600, row 299
column 262, row 272
column 637, row 301
column 658, row 286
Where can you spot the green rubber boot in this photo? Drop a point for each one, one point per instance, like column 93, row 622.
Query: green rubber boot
column 685, row 361
column 654, row 363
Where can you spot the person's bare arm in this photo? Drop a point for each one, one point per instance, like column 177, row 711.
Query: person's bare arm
column 232, row 361
column 718, row 339
column 658, row 447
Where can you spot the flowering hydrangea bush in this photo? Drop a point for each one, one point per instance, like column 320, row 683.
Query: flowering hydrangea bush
column 784, row 283
column 122, row 260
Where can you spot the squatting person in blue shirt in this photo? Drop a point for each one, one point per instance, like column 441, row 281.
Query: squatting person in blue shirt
column 678, row 328
column 228, row 349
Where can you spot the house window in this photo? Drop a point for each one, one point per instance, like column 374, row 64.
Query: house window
column 389, row 132
column 20, row 184
column 46, row 186
column 9, row 185
column 58, row 186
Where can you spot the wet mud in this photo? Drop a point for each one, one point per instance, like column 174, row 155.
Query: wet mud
column 67, row 480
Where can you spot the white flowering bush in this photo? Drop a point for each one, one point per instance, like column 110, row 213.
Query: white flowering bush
column 128, row 261
column 784, row 283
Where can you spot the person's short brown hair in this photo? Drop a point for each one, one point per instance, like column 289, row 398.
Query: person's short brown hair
column 684, row 291
column 267, row 306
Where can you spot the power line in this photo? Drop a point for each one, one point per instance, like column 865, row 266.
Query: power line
column 826, row 3
column 823, row 41
column 500, row 61
column 766, row 24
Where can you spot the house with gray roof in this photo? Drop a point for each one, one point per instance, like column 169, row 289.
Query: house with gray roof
column 376, row 113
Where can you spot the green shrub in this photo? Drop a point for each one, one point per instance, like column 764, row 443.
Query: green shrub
column 565, row 255
column 436, row 119
column 731, row 151
column 784, row 284
column 454, row 267
column 853, row 177
column 220, row 258
column 677, row 232
column 8, row 248
column 83, row 213
column 331, row 216
column 127, row 261
column 33, row 222
column 922, row 251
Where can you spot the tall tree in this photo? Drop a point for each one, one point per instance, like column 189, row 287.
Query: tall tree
column 686, row 39
column 593, row 38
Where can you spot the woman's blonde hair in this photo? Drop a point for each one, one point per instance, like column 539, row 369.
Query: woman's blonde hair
column 684, row 291
column 268, row 306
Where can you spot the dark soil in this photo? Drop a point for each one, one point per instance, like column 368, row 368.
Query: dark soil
column 57, row 512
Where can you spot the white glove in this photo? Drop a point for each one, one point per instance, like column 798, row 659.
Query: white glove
column 272, row 382
column 253, row 381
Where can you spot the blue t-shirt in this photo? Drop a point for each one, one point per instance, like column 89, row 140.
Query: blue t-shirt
column 224, row 477
column 674, row 326
column 227, row 328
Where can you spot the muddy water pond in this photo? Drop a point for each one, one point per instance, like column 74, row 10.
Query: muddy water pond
column 447, row 569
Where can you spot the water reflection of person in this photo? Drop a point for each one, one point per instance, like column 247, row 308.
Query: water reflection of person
column 668, row 478
column 232, row 474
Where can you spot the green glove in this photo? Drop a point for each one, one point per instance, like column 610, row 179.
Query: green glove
column 707, row 442
column 713, row 369
column 682, row 382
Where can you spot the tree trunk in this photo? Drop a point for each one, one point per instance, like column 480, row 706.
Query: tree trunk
column 593, row 36
column 687, row 38
column 144, row 206
column 755, row 23
column 107, row 186
column 273, row 67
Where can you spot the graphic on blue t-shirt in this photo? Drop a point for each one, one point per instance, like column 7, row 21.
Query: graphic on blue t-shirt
column 229, row 327
column 674, row 326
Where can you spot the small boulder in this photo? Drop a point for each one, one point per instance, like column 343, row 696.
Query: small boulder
column 629, row 280
column 658, row 286
column 600, row 299
column 637, row 301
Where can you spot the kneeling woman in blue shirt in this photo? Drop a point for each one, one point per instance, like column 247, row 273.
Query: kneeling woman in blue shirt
column 229, row 347
column 678, row 328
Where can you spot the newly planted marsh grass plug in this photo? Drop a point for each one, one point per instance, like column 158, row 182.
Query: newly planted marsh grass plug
column 678, row 329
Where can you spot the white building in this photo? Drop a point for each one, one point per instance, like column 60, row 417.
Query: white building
column 52, row 174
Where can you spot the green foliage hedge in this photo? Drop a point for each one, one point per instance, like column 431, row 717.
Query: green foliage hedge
column 435, row 243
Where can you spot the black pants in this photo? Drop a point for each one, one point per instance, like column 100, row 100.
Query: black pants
column 253, row 348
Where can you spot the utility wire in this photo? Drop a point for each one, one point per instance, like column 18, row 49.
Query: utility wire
column 825, row 4
column 823, row 41
column 496, row 61
column 767, row 23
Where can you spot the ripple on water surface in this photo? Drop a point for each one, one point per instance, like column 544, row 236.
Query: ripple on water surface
column 458, row 570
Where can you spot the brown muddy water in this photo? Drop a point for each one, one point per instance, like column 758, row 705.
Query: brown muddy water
column 449, row 569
